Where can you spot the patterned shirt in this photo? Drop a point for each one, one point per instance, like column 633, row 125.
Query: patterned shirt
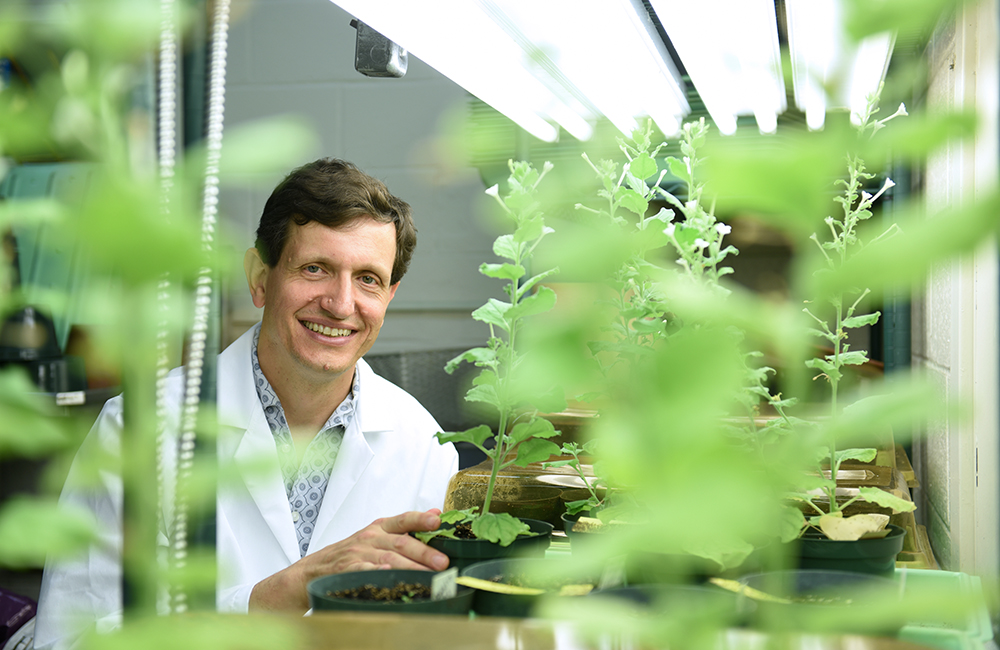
column 305, row 483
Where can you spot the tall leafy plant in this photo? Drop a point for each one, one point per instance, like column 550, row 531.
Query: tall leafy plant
column 831, row 326
column 503, row 384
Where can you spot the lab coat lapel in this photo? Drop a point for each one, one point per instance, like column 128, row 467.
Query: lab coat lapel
column 242, row 420
column 353, row 458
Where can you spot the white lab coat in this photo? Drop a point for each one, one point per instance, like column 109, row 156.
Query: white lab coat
column 389, row 463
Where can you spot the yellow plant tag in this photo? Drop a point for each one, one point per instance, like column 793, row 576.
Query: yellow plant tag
column 497, row 587
column 749, row 592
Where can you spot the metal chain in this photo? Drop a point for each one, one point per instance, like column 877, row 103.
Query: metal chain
column 167, row 140
column 203, row 291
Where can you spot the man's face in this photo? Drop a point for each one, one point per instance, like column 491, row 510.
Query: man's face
column 324, row 300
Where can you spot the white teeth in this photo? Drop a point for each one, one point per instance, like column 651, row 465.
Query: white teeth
column 326, row 331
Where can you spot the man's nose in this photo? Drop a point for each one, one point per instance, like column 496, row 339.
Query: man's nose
column 337, row 300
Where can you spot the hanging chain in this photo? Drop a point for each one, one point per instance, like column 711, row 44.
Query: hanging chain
column 203, row 291
column 167, row 149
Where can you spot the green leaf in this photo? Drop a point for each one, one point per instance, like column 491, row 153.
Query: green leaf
column 820, row 364
column 886, row 500
column 494, row 312
column 459, row 516
column 633, row 201
column 535, row 450
column 32, row 528
column 506, row 247
column 678, row 168
column 559, row 463
column 864, row 455
column 573, row 507
column 29, row 428
column 529, row 230
column 477, row 356
column 860, row 321
column 855, row 358
column 539, row 302
column 536, row 428
column 791, row 524
column 485, row 394
column 642, row 166
column 426, row 536
column 511, row 272
column 499, row 528
column 477, row 435
column 268, row 146
column 527, row 284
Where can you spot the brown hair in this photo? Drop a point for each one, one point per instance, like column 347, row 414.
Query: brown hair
column 333, row 193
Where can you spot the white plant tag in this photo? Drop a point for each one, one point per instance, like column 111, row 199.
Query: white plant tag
column 613, row 574
column 443, row 584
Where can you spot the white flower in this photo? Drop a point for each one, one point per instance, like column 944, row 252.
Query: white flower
column 701, row 243
column 828, row 221
column 494, row 191
column 669, row 230
column 866, row 197
column 723, row 229
column 888, row 183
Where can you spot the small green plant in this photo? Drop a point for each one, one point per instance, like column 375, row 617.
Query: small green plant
column 502, row 382
column 843, row 306
column 591, row 483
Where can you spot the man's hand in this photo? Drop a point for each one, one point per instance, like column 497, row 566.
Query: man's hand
column 384, row 544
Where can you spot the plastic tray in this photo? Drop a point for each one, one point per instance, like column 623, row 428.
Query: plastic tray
column 946, row 587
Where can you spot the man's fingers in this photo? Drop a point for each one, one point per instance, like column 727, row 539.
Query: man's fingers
column 412, row 521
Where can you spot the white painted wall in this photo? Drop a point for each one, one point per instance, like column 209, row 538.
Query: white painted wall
column 297, row 57
column 955, row 321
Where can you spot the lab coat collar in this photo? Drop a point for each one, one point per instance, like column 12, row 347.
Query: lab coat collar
column 241, row 418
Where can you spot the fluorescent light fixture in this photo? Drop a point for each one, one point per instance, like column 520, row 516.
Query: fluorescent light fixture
column 731, row 52
column 542, row 63
column 828, row 72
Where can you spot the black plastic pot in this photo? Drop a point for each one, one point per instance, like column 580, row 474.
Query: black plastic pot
column 694, row 604
column 871, row 556
column 320, row 588
column 466, row 552
column 827, row 602
column 540, row 573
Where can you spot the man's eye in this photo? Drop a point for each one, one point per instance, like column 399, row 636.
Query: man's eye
column 312, row 268
column 368, row 279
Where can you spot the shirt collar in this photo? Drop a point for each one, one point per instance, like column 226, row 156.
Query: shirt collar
column 273, row 410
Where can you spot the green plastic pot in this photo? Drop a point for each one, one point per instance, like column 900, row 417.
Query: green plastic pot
column 319, row 589
column 466, row 552
column 871, row 556
column 557, row 571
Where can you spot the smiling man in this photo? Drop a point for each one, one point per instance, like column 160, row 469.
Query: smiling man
column 332, row 465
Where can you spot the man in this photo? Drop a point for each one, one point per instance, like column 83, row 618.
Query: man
column 321, row 445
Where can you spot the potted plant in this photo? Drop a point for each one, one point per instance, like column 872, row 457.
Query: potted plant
column 386, row 590
column 828, row 534
column 521, row 436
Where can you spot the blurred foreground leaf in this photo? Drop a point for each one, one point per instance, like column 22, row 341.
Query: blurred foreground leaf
column 202, row 632
column 33, row 528
column 902, row 261
column 28, row 426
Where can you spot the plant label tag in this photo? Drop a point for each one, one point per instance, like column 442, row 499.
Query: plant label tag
column 443, row 584
column 613, row 574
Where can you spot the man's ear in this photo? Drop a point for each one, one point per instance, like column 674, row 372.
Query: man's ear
column 392, row 291
column 256, row 271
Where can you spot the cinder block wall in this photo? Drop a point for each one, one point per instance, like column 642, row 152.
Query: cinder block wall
column 297, row 57
column 955, row 317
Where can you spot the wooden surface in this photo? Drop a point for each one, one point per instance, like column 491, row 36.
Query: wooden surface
column 343, row 631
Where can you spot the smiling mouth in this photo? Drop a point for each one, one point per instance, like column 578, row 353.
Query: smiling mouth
column 325, row 331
